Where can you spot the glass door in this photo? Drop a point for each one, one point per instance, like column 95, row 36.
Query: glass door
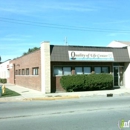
column 118, row 76
column 116, row 83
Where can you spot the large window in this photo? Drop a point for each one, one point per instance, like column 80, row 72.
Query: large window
column 78, row 70
column 105, row 70
column 87, row 70
column 67, row 70
column 35, row 71
column 101, row 70
column 62, row 71
column 57, row 70
column 97, row 70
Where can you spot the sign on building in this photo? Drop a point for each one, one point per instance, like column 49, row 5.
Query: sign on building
column 90, row 56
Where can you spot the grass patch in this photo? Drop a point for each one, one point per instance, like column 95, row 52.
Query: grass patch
column 9, row 93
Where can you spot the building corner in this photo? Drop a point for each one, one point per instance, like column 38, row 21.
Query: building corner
column 45, row 67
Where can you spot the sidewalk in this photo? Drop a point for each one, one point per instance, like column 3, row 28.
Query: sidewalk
column 29, row 94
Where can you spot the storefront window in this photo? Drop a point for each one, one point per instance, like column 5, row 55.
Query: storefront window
column 78, row 70
column 104, row 69
column 97, row 70
column 87, row 70
column 57, row 71
column 67, row 70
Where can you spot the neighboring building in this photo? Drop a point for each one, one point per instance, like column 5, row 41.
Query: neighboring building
column 41, row 70
column 119, row 44
column 4, row 70
column 26, row 70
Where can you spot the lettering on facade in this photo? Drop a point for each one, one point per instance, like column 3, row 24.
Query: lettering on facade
column 90, row 55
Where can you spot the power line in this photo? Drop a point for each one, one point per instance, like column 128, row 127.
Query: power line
column 59, row 26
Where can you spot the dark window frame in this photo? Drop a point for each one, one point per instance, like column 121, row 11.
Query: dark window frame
column 27, row 71
column 35, row 71
column 23, row 71
column 61, row 70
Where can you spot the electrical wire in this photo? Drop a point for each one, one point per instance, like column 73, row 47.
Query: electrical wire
column 59, row 26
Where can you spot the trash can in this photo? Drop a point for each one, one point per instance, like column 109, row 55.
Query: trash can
column 0, row 90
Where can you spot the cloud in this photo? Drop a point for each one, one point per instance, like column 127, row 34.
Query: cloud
column 67, row 6
column 15, row 37
column 33, row 7
column 72, row 8
column 13, row 10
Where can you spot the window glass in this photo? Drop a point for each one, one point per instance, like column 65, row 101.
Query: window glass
column 97, row 70
column 87, row 70
column 67, row 70
column 78, row 70
column 22, row 71
column 57, row 70
column 27, row 71
column 35, row 71
column 104, row 69
column 19, row 72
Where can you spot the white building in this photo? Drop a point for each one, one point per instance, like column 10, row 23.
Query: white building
column 119, row 44
column 4, row 70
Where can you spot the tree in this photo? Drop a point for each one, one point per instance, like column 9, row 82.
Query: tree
column 30, row 50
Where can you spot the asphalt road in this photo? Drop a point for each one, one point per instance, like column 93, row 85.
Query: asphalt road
column 102, row 113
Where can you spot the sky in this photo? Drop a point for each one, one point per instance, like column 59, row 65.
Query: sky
column 25, row 24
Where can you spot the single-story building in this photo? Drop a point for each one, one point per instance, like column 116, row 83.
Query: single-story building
column 4, row 70
column 42, row 69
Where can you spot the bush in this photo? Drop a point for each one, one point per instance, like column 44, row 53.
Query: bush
column 3, row 80
column 72, row 82
column 99, row 81
column 87, row 82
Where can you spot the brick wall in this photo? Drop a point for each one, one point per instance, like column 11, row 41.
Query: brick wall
column 28, row 61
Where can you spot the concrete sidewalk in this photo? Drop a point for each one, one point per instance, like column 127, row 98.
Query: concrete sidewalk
column 29, row 94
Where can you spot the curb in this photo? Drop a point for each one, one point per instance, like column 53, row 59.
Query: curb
column 62, row 97
column 51, row 98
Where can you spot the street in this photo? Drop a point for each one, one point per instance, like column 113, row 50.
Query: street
column 97, row 113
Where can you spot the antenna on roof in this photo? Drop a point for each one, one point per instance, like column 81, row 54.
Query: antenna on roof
column 66, row 43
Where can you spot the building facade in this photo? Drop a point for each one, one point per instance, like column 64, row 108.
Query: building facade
column 41, row 70
column 26, row 71
column 86, row 59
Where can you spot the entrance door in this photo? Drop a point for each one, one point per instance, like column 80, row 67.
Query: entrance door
column 118, row 75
